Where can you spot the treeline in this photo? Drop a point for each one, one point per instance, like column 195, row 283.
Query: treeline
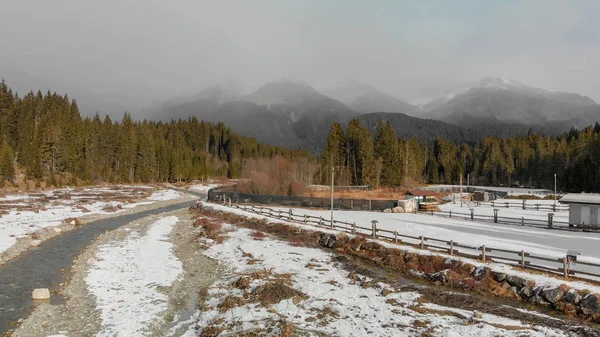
column 45, row 137
column 359, row 159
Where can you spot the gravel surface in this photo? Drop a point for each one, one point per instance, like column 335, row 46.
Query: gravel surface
column 78, row 315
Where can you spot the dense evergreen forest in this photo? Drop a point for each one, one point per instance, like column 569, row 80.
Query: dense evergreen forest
column 45, row 137
column 532, row 160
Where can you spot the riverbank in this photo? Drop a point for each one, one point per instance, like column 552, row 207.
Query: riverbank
column 117, row 276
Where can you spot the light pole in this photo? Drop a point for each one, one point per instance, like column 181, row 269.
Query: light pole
column 554, row 189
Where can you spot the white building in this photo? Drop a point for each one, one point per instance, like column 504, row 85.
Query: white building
column 584, row 208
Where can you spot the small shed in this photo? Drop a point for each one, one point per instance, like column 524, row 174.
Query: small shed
column 481, row 196
column 422, row 197
column 584, row 208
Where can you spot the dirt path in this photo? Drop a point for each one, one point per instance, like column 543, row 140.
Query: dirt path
column 79, row 315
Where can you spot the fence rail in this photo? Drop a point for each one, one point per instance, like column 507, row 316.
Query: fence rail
column 548, row 223
column 565, row 266
column 526, row 204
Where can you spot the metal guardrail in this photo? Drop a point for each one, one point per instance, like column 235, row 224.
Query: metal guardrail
column 555, row 265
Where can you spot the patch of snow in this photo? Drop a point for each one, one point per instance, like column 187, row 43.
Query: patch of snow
column 204, row 188
column 357, row 311
column 126, row 277
column 163, row 195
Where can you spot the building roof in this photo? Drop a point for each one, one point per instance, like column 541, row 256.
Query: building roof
column 581, row 198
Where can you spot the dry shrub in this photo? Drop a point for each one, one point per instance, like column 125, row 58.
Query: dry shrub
column 230, row 302
column 258, row 235
column 275, row 292
column 221, row 238
column 288, row 329
column 213, row 229
column 242, row 283
column 211, row 331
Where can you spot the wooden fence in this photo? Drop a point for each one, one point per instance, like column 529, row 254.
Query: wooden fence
column 526, row 204
column 555, row 265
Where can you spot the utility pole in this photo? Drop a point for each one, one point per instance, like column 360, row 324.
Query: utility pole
column 406, row 166
column 461, row 191
column 468, row 181
column 332, row 177
column 554, row 189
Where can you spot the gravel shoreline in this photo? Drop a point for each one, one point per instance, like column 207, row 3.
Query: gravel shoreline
column 78, row 315
column 23, row 244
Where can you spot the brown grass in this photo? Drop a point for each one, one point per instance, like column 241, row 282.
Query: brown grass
column 258, row 235
column 379, row 194
column 275, row 292
column 231, row 302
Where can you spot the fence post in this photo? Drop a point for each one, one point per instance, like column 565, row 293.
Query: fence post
column 229, row 201
column 320, row 221
column 354, row 228
column 565, row 270
column 422, row 242
column 278, row 214
column 369, row 205
column 493, row 204
column 507, row 205
column 374, row 229
column 554, row 208
column 537, row 207
column 483, row 252
column 451, row 247
column 305, row 219
column 395, row 236
column 523, row 258
column 522, row 221
column 472, row 213
column 495, row 215
column 332, row 223
column 450, row 213
column 524, row 201
column 550, row 218
column 290, row 215
column 260, row 210
column 270, row 212
column 351, row 204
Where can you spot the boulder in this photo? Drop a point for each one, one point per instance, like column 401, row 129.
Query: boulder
column 572, row 296
column 537, row 299
column 479, row 272
column 327, row 240
column 516, row 281
column 40, row 294
column 387, row 210
column 590, row 305
column 499, row 277
column 441, row 276
column 553, row 295
column 35, row 243
column 398, row 209
column 525, row 293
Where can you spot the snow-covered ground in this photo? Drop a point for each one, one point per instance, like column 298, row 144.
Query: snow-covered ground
column 24, row 214
column 126, row 276
column 511, row 212
column 334, row 304
column 204, row 187
column 451, row 229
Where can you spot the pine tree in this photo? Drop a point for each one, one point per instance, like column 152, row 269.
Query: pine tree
column 386, row 148
column 7, row 167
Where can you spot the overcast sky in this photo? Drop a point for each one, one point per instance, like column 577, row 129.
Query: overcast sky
column 411, row 49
